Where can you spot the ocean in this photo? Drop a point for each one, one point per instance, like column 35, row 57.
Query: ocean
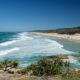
column 28, row 47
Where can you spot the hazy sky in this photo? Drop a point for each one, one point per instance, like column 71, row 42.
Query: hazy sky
column 23, row 15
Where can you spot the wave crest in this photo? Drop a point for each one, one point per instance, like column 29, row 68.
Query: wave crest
column 20, row 37
column 5, row 52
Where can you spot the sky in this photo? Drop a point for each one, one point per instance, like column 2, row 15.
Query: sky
column 26, row 15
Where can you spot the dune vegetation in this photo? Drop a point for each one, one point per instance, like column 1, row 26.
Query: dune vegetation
column 47, row 68
column 62, row 30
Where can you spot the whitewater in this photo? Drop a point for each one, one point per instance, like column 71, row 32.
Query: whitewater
column 27, row 48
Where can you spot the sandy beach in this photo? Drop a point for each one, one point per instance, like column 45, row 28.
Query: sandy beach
column 75, row 37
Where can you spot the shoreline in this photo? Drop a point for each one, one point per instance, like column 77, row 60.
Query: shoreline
column 75, row 37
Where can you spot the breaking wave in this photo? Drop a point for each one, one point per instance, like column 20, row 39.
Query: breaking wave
column 5, row 52
column 20, row 37
column 55, row 43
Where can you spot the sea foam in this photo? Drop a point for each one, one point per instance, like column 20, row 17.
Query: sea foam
column 8, row 43
column 5, row 52
column 20, row 37
column 24, row 36
column 55, row 43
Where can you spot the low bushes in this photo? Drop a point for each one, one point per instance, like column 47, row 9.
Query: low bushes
column 46, row 66
column 69, row 31
column 8, row 64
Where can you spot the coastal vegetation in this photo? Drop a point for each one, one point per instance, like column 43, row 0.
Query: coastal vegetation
column 64, row 56
column 8, row 64
column 70, row 31
column 46, row 68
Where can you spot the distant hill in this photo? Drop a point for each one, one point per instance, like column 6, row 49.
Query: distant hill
column 62, row 30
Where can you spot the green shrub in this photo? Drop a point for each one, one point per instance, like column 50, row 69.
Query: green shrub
column 47, row 67
column 8, row 63
column 61, row 56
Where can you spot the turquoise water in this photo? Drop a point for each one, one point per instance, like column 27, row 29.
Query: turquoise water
column 28, row 48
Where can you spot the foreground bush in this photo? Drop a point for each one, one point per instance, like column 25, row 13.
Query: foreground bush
column 46, row 67
column 6, row 64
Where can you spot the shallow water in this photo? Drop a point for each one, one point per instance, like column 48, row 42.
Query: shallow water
column 70, row 45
